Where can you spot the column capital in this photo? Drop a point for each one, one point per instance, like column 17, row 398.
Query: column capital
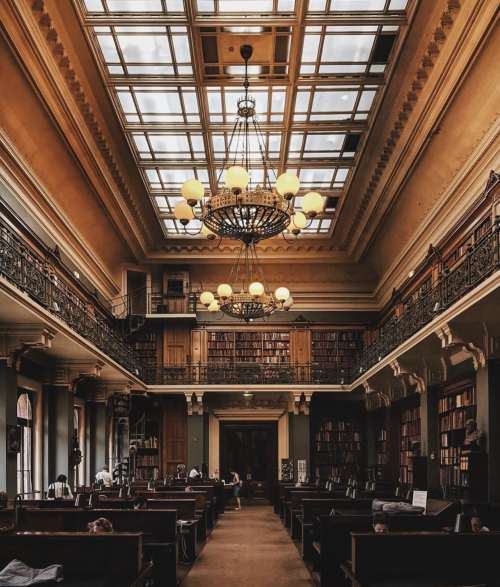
column 17, row 339
column 189, row 402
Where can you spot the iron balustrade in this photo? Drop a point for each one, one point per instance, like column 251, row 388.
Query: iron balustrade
column 214, row 373
column 37, row 278
column 481, row 260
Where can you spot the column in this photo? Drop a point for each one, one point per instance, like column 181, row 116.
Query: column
column 97, row 424
column 196, row 431
column 8, row 416
column 300, row 434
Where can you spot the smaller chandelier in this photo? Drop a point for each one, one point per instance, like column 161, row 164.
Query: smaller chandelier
column 246, row 296
column 240, row 211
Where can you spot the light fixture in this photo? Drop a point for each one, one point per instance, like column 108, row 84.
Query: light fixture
column 246, row 296
column 242, row 211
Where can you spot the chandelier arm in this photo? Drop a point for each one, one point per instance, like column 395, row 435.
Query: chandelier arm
column 193, row 233
column 226, row 157
column 217, row 245
column 289, row 242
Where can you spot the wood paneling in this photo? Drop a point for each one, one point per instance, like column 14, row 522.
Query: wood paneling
column 175, row 436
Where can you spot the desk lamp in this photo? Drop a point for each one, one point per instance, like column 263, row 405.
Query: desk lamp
column 80, row 501
column 20, row 513
column 65, row 491
column 51, row 493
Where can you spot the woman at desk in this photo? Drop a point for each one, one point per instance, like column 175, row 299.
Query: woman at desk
column 236, row 483
column 60, row 489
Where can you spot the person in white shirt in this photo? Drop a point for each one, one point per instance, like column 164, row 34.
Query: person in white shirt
column 195, row 472
column 105, row 476
column 61, row 489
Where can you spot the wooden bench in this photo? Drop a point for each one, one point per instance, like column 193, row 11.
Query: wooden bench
column 160, row 540
column 311, row 507
column 87, row 559
column 423, row 559
column 332, row 543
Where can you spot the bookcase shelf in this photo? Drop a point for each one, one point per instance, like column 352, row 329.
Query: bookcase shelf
column 144, row 344
column 248, row 347
column 380, row 452
column 410, row 432
column 455, row 408
column 147, row 458
column 339, row 347
column 336, row 448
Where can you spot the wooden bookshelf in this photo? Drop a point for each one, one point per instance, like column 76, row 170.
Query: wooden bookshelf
column 248, row 347
column 144, row 344
column 336, row 448
column 147, row 459
column 455, row 408
column 410, row 432
column 380, row 452
column 336, row 346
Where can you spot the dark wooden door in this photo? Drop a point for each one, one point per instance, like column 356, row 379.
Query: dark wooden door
column 251, row 448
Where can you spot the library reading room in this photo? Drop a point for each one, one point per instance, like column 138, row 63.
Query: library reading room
column 249, row 293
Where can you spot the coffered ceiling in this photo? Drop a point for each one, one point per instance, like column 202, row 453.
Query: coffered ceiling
column 319, row 73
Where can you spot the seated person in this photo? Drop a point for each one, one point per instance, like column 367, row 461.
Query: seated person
column 381, row 522
column 61, row 489
column 195, row 473
column 100, row 526
column 477, row 523
column 140, row 503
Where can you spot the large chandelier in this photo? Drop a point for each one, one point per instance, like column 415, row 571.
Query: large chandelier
column 246, row 295
column 240, row 211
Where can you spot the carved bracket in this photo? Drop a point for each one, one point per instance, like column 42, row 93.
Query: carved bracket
column 106, row 389
column 73, row 372
column 17, row 339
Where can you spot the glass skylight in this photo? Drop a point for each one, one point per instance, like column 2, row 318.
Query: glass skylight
column 175, row 76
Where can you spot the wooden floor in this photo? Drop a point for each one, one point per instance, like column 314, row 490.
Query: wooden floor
column 249, row 548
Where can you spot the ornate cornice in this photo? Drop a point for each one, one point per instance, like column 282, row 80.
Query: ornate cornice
column 408, row 105
column 232, row 248
column 75, row 86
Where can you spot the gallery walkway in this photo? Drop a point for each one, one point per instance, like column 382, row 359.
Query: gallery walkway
column 249, row 548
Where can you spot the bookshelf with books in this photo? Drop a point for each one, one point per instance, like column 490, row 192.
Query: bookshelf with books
column 144, row 344
column 460, row 472
column 336, row 346
column 380, row 451
column 336, row 448
column 147, row 459
column 410, row 434
column 248, row 347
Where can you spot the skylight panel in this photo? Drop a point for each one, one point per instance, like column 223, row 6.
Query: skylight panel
column 161, row 202
column 237, row 6
column 334, row 101
column 347, row 48
column 398, row 5
column 310, row 49
column 145, row 48
column 357, row 5
column 141, row 6
column 94, row 5
column 324, row 142
column 108, row 48
column 366, row 100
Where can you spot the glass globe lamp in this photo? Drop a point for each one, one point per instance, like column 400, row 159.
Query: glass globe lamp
column 193, row 191
column 287, row 185
column 256, row 289
column 206, row 298
column 224, row 290
column 183, row 212
column 214, row 307
column 236, row 178
column 288, row 304
column 312, row 204
column 297, row 222
column 282, row 294
column 208, row 233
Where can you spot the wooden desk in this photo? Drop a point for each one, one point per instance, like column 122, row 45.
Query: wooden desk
column 88, row 559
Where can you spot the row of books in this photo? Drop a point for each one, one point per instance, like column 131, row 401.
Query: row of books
column 461, row 400
column 341, row 335
column 381, row 459
column 382, row 434
column 333, row 458
column 329, row 436
column 148, row 461
column 410, row 428
column 405, row 459
column 334, row 446
column 410, row 415
column 220, row 345
column 454, row 476
column 406, row 475
column 345, row 471
column 457, row 419
column 220, row 336
column 449, row 455
column 339, row 425
column 143, row 337
column 150, row 442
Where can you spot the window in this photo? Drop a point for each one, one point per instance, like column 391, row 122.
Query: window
column 24, row 457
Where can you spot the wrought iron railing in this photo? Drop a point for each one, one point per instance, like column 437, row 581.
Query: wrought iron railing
column 37, row 278
column 480, row 261
column 244, row 374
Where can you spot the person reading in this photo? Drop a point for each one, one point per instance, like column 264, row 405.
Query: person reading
column 104, row 477
column 381, row 523
column 100, row 526
column 59, row 489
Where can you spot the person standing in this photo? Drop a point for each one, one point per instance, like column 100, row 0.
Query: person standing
column 61, row 489
column 236, row 483
column 105, row 476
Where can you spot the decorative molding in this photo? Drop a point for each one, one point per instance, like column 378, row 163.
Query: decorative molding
column 409, row 101
column 106, row 389
column 76, row 89
column 18, row 339
column 251, row 414
column 71, row 373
